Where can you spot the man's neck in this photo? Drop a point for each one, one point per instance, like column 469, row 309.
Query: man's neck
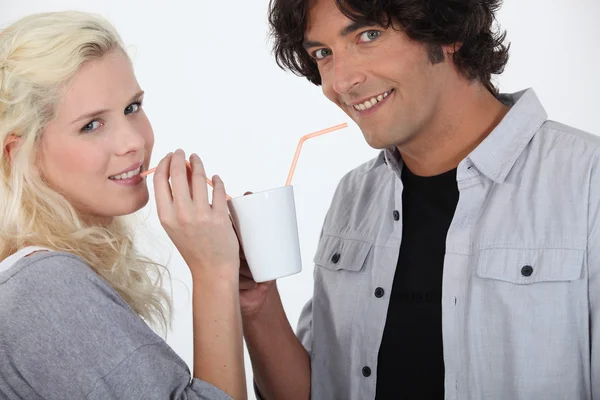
column 464, row 119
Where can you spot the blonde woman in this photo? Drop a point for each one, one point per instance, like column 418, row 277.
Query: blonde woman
column 76, row 297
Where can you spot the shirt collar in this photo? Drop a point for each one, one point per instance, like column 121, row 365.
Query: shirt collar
column 498, row 152
column 496, row 155
column 391, row 157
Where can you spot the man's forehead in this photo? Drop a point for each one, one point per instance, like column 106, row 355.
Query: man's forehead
column 324, row 18
column 321, row 14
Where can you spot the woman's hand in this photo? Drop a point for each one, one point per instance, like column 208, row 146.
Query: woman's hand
column 202, row 233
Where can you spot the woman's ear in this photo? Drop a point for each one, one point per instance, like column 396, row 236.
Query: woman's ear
column 12, row 143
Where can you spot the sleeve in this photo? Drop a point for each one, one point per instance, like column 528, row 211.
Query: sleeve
column 74, row 337
column 151, row 372
column 304, row 334
column 594, row 279
column 304, row 331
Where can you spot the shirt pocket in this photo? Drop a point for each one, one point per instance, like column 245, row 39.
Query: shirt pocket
column 527, row 318
column 529, row 266
column 338, row 253
column 341, row 276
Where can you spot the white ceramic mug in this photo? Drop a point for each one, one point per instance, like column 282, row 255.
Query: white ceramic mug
column 267, row 227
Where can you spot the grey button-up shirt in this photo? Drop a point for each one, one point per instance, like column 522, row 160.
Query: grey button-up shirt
column 521, row 280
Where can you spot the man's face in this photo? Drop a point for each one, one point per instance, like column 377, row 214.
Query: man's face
column 381, row 78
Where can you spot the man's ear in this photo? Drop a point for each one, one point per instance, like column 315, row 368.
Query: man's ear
column 450, row 49
column 12, row 143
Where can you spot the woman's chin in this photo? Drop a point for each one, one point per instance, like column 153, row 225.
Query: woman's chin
column 137, row 206
column 125, row 208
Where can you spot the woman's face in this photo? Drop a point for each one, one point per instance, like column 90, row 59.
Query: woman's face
column 99, row 141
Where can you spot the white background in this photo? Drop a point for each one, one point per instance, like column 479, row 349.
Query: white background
column 212, row 87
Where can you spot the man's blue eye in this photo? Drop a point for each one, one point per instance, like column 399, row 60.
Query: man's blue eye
column 369, row 36
column 321, row 54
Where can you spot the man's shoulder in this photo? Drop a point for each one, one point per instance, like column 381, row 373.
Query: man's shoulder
column 565, row 152
column 563, row 137
column 362, row 190
column 374, row 169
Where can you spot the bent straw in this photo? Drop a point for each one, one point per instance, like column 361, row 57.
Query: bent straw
column 294, row 162
column 304, row 139
column 152, row 170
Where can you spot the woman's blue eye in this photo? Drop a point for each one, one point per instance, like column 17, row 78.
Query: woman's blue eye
column 92, row 126
column 133, row 108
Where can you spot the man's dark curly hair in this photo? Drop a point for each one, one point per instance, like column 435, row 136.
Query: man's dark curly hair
column 468, row 23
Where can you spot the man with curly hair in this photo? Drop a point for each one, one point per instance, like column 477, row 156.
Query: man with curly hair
column 461, row 263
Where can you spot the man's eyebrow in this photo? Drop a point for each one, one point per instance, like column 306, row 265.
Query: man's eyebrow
column 354, row 26
column 350, row 28
column 307, row 44
column 96, row 113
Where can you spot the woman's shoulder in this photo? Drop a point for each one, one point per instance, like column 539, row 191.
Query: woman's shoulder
column 63, row 324
column 52, row 271
column 60, row 287
column 58, row 296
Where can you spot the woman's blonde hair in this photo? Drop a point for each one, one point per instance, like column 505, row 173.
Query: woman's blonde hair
column 39, row 55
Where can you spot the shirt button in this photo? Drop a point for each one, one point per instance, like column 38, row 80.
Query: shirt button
column 335, row 258
column 366, row 371
column 527, row 270
column 379, row 292
column 396, row 215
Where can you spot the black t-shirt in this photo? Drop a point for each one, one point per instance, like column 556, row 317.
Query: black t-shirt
column 411, row 363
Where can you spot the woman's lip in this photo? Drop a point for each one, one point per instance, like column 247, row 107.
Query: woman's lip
column 134, row 180
column 131, row 168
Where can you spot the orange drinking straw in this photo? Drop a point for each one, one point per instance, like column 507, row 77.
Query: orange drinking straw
column 152, row 170
column 304, row 139
column 294, row 163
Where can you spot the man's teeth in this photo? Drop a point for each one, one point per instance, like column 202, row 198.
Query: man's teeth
column 371, row 102
column 127, row 175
